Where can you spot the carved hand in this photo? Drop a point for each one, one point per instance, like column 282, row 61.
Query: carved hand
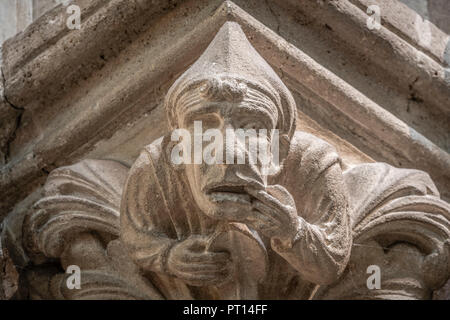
column 189, row 261
column 274, row 214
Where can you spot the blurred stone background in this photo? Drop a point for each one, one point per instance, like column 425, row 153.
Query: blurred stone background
column 436, row 11
column 16, row 15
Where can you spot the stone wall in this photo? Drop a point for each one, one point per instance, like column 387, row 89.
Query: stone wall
column 78, row 107
column 16, row 15
column 436, row 11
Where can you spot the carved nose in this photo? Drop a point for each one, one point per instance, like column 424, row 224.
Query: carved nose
column 246, row 174
column 236, row 151
column 239, row 166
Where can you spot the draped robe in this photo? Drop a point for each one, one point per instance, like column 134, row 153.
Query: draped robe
column 157, row 210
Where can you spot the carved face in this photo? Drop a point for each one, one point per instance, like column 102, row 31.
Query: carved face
column 218, row 187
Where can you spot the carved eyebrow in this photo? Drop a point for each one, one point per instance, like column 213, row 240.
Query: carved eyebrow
column 263, row 114
column 199, row 109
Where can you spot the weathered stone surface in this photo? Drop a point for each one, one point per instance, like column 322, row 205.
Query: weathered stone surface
column 228, row 231
column 113, row 90
column 357, row 82
column 9, row 276
column 9, row 118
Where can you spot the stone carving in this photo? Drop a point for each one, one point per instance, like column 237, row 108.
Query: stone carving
column 307, row 230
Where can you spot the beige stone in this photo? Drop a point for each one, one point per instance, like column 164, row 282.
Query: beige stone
column 88, row 177
column 230, row 230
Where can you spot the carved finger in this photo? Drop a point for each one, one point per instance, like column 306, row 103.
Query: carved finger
column 266, row 198
column 267, row 230
column 270, row 232
column 256, row 215
column 272, row 216
column 197, row 243
column 199, row 279
column 241, row 214
column 203, row 267
column 281, row 193
column 263, row 226
column 210, row 257
column 256, row 224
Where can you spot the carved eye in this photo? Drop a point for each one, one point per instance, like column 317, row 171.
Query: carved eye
column 252, row 124
column 223, row 90
column 211, row 121
column 208, row 120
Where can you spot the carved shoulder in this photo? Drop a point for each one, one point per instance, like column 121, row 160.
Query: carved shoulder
column 310, row 156
column 312, row 172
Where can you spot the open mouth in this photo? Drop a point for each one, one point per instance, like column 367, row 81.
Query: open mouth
column 228, row 189
column 233, row 193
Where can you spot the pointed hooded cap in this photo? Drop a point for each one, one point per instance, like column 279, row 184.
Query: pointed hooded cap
column 231, row 65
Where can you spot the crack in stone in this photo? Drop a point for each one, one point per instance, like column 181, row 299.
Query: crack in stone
column 12, row 134
column 412, row 93
column 5, row 98
column 2, row 266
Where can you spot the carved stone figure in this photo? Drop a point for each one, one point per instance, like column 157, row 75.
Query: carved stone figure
column 304, row 230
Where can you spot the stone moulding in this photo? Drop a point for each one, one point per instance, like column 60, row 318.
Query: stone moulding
column 126, row 228
column 27, row 76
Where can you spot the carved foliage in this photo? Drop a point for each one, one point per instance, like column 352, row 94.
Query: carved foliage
column 76, row 222
column 399, row 224
column 85, row 196
column 397, row 218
